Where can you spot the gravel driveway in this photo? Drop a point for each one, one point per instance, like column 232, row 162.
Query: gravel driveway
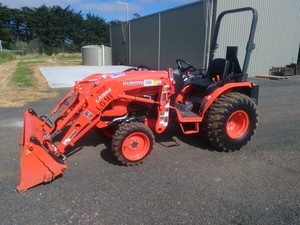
column 184, row 181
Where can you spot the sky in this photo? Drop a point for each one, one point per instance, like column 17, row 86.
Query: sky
column 109, row 10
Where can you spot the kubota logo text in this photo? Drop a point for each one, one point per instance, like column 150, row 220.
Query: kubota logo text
column 133, row 83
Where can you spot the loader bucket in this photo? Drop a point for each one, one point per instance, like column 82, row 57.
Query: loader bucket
column 38, row 163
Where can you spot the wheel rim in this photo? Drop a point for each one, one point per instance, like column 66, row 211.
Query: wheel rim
column 136, row 146
column 237, row 124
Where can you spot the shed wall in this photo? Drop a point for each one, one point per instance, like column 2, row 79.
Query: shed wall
column 119, row 44
column 183, row 35
column 277, row 36
column 159, row 39
column 144, row 41
column 184, row 32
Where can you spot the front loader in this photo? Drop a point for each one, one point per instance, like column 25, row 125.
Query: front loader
column 130, row 106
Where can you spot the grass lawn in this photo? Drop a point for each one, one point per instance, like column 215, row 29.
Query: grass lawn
column 20, row 74
column 5, row 56
column 23, row 75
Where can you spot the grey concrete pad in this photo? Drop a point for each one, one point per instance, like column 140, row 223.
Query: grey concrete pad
column 65, row 76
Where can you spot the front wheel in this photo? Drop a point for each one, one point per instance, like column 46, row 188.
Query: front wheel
column 231, row 121
column 132, row 143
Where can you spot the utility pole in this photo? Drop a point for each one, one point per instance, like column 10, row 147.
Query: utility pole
column 125, row 32
column 126, row 7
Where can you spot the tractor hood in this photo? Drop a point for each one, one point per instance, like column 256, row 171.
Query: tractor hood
column 131, row 78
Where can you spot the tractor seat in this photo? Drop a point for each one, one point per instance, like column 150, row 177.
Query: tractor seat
column 217, row 71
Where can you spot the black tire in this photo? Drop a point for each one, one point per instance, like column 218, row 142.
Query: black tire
column 231, row 121
column 132, row 143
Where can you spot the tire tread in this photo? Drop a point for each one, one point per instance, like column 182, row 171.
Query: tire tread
column 217, row 115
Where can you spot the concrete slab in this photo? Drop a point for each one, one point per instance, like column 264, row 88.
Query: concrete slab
column 272, row 77
column 65, row 76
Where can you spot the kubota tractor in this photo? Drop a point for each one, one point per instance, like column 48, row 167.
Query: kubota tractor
column 130, row 106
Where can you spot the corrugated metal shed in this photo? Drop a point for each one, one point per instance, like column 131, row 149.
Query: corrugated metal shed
column 277, row 35
column 158, row 39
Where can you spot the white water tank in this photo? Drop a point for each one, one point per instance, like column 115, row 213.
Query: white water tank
column 96, row 55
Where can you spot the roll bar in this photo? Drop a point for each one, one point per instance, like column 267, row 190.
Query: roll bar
column 250, row 44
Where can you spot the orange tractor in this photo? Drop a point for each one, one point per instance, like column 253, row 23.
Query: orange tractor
column 130, row 106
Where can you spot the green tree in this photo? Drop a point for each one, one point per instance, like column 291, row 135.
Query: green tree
column 51, row 29
column 95, row 30
column 6, row 35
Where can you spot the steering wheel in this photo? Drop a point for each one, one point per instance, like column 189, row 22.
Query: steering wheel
column 184, row 66
column 142, row 67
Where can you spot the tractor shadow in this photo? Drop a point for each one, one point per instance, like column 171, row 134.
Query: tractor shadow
column 91, row 139
column 173, row 137
column 107, row 154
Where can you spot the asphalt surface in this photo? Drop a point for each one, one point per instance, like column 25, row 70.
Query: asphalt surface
column 185, row 184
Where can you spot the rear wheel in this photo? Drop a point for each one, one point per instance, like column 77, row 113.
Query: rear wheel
column 132, row 143
column 231, row 121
